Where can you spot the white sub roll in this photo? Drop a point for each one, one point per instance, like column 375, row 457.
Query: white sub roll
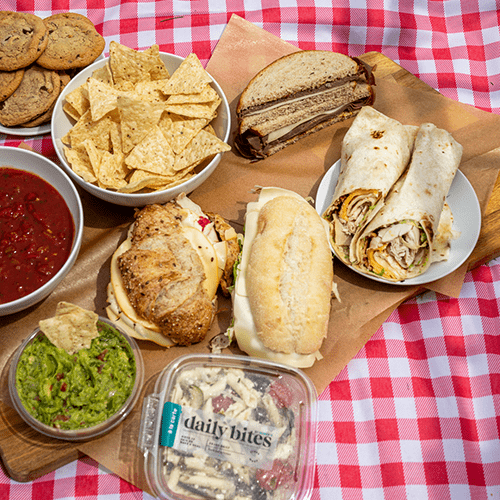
column 283, row 289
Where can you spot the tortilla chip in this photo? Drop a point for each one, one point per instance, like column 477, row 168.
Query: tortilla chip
column 103, row 74
column 208, row 94
column 129, row 65
column 79, row 99
column 115, row 136
column 197, row 110
column 175, row 181
column 72, row 328
column 138, row 185
column 165, row 122
column 210, row 129
column 94, row 155
column 153, row 179
column 71, row 111
column 112, row 171
column 201, row 146
column 79, row 162
column 103, row 98
column 98, row 131
column 141, row 180
column 181, row 130
column 158, row 70
column 152, row 154
column 150, row 91
column 137, row 118
column 189, row 78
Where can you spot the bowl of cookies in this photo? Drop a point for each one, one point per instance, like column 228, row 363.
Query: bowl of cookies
column 38, row 59
column 141, row 127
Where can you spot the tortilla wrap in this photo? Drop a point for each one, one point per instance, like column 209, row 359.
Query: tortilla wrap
column 398, row 242
column 375, row 151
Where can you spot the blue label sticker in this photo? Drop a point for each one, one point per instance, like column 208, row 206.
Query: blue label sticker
column 169, row 422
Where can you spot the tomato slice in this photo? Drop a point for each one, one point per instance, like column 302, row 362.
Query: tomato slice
column 280, row 474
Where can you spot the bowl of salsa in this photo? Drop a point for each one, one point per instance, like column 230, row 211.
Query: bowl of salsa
column 41, row 226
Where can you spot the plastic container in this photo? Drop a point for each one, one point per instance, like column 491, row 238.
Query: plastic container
column 224, row 426
column 84, row 433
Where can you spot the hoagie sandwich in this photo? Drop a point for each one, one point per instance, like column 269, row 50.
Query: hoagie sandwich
column 284, row 280
column 166, row 273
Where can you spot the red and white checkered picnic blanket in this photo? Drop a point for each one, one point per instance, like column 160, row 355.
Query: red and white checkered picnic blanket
column 416, row 413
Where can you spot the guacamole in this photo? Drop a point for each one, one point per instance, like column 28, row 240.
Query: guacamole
column 75, row 391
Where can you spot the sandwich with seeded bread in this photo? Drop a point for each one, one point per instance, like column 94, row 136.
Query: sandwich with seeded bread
column 299, row 94
column 165, row 275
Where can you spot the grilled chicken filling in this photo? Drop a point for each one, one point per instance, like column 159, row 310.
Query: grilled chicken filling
column 353, row 212
column 396, row 248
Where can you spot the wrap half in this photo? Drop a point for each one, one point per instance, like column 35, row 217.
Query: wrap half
column 399, row 242
column 375, row 152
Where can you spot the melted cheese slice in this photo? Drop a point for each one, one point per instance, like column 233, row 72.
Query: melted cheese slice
column 121, row 311
column 208, row 256
column 276, row 134
column 244, row 327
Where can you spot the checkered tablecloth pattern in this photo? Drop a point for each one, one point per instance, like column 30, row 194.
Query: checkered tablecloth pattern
column 416, row 413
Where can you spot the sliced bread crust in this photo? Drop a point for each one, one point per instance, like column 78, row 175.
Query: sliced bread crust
column 296, row 72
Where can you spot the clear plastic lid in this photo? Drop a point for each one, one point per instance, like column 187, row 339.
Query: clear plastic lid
column 229, row 427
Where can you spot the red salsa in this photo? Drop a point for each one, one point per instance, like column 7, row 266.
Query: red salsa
column 36, row 233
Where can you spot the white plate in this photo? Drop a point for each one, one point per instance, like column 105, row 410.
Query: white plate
column 26, row 131
column 466, row 211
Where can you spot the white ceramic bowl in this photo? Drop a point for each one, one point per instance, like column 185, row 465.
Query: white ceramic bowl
column 62, row 123
column 35, row 163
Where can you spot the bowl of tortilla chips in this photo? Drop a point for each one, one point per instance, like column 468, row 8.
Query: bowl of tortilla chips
column 140, row 127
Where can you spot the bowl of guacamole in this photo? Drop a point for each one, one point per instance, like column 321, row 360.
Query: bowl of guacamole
column 80, row 394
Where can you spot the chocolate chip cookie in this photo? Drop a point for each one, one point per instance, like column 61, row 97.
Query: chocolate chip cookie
column 72, row 15
column 47, row 115
column 23, row 37
column 37, row 92
column 73, row 43
column 9, row 81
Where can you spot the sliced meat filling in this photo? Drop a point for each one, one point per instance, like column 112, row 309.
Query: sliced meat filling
column 353, row 213
column 252, row 145
column 397, row 248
